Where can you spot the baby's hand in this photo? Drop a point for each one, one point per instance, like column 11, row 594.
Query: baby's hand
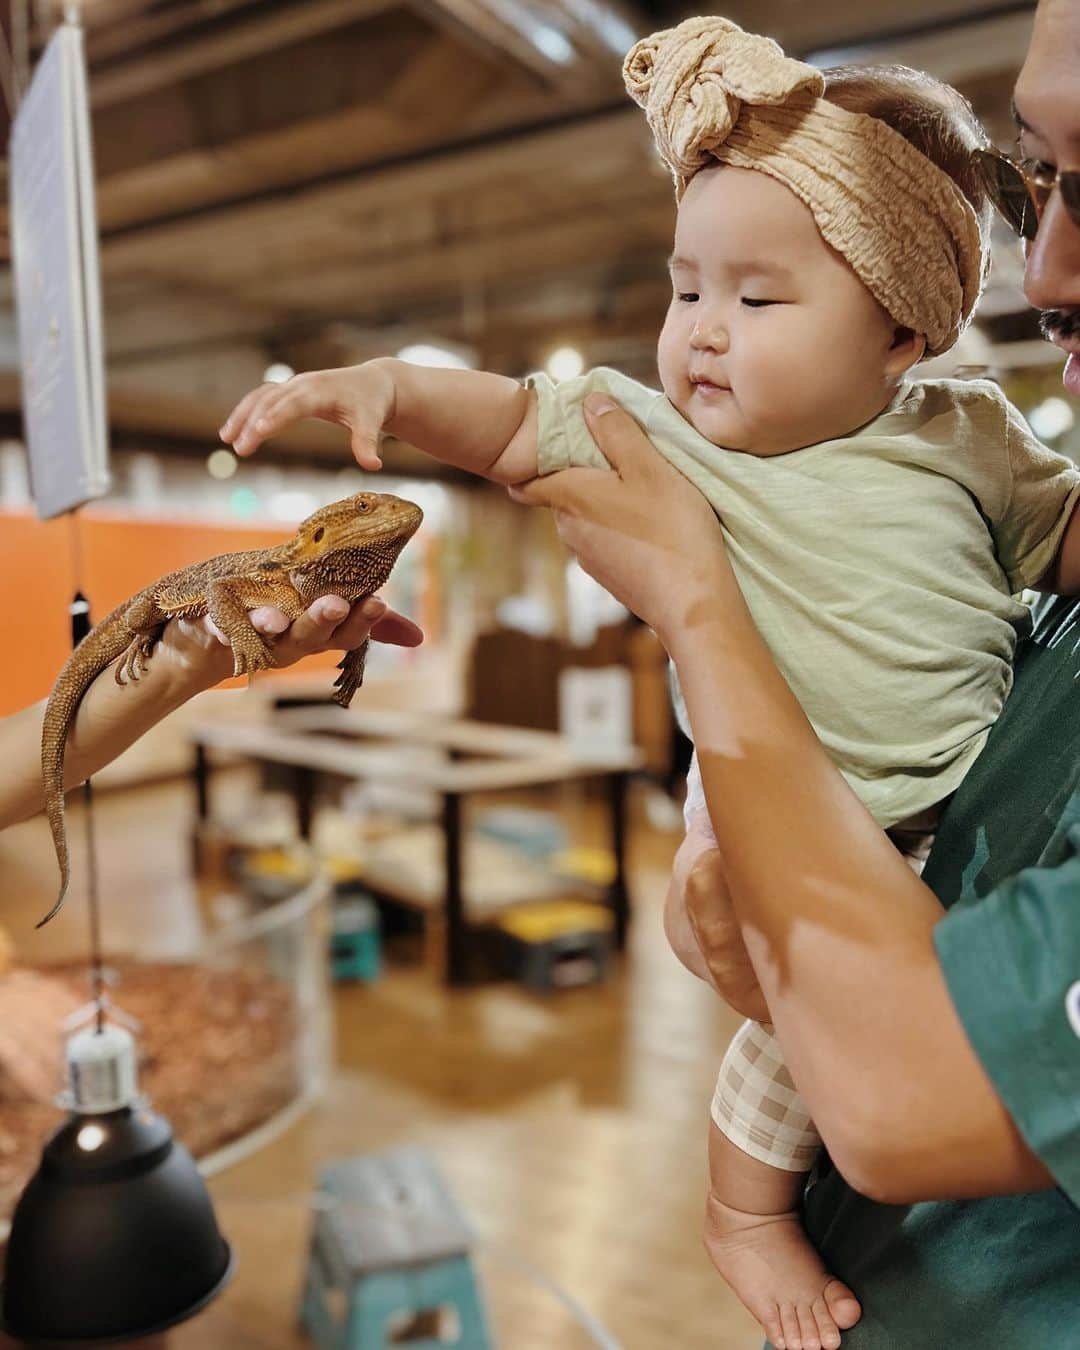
column 360, row 398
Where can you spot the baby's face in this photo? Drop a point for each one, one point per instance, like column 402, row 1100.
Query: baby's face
column 771, row 341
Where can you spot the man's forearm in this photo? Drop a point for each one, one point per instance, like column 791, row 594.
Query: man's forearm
column 840, row 933
column 474, row 420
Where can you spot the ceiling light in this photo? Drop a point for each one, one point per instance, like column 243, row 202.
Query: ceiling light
column 565, row 363
column 221, row 464
column 278, row 372
column 1051, row 418
column 553, row 44
column 432, row 354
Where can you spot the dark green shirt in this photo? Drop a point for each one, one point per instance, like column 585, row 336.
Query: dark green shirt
column 1004, row 1271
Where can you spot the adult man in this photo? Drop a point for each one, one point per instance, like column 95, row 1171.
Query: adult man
column 1047, row 106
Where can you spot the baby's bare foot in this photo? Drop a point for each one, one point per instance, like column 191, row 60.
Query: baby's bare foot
column 775, row 1270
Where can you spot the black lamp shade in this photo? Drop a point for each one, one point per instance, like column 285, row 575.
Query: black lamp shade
column 114, row 1236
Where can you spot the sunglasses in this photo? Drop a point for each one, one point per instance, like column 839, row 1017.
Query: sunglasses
column 1020, row 191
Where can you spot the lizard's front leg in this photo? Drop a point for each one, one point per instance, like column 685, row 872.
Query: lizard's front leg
column 146, row 620
column 228, row 600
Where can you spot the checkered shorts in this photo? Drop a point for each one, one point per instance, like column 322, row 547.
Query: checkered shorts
column 756, row 1103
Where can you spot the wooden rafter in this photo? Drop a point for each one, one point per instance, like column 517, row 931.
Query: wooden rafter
column 260, row 33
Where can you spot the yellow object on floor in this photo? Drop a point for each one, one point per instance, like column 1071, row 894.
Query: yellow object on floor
column 279, row 862
column 595, row 865
column 551, row 918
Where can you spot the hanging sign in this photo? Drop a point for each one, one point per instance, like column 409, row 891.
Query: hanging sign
column 57, row 281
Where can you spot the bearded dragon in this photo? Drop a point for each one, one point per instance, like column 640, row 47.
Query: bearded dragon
column 348, row 548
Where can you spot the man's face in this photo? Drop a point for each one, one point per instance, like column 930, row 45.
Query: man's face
column 1047, row 103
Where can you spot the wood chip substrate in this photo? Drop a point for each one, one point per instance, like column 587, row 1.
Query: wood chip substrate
column 217, row 1050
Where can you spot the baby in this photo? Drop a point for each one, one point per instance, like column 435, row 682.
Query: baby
column 831, row 231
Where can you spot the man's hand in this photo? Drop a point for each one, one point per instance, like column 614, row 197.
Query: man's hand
column 712, row 919
column 202, row 652
column 643, row 531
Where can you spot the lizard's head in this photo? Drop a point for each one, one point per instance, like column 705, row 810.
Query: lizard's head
column 349, row 547
column 358, row 521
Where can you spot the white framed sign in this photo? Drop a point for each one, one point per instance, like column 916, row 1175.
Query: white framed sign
column 596, row 707
column 57, row 282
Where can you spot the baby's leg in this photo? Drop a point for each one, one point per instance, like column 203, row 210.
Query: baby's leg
column 753, row 1232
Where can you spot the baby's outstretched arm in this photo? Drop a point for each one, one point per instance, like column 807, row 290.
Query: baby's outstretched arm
column 484, row 423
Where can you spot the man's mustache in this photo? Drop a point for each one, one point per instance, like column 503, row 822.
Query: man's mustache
column 1058, row 324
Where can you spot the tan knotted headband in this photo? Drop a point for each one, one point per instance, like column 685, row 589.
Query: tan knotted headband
column 714, row 93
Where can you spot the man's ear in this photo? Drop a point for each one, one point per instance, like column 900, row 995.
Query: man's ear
column 908, row 347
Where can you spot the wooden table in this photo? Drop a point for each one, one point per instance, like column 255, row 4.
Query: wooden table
column 479, row 757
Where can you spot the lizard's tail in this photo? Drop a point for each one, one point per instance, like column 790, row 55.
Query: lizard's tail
column 96, row 651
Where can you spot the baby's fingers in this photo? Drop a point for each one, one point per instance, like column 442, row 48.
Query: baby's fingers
column 239, row 415
column 365, row 448
column 272, row 409
column 238, row 429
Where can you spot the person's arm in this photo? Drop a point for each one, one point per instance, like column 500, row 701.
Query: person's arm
column 1062, row 577
column 1036, row 531
column 839, row 929
column 191, row 657
column 840, row 933
column 484, row 423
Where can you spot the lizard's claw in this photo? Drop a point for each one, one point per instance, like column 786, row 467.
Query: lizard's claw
column 251, row 655
column 135, row 660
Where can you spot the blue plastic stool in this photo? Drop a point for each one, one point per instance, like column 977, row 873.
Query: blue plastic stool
column 389, row 1244
column 355, row 949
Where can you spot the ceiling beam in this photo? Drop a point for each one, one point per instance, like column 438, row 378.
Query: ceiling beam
column 510, row 29
column 532, row 247
column 953, row 49
column 195, row 247
column 399, row 123
column 139, row 30
column 265, row 31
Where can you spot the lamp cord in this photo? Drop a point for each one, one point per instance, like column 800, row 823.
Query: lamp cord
column 80, row 626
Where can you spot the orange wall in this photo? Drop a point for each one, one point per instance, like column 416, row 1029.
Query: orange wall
column 119, row 556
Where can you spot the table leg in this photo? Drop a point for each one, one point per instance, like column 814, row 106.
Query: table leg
column 454, row 900
column 618, row 891
column 201, row 777
column 304, row 793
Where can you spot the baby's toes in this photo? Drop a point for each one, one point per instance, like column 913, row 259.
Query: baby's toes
column 773, row 1329
column 789, row 1325
column 843, row 1306
column 828, row 1331
column 808, row 1328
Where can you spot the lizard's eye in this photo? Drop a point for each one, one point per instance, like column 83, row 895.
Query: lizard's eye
column 364, row 506
column 317, row 536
